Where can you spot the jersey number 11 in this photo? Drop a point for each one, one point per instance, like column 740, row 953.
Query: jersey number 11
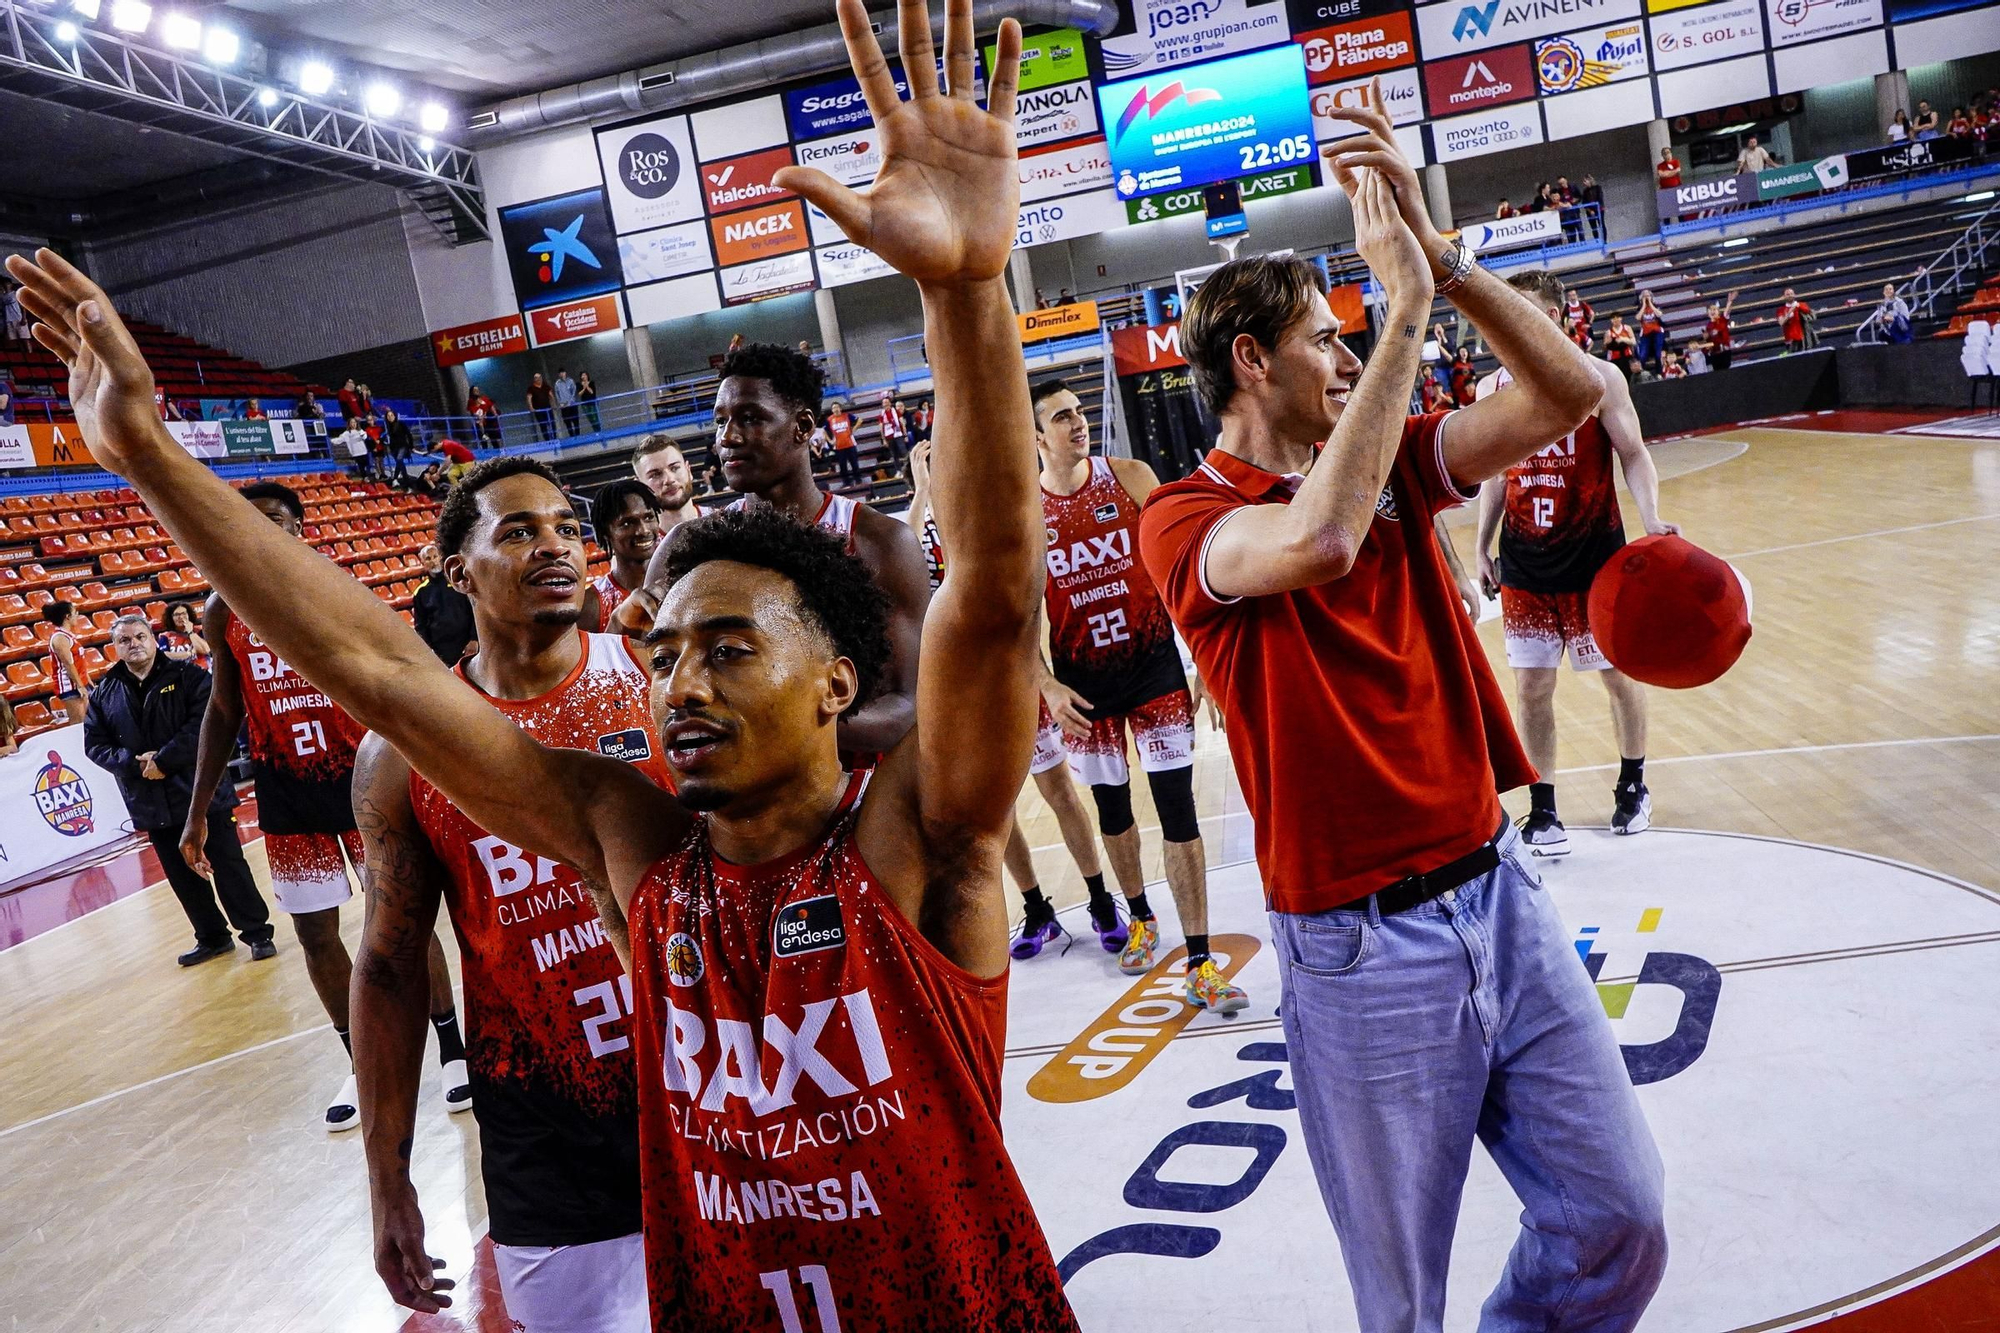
column 813, row 1277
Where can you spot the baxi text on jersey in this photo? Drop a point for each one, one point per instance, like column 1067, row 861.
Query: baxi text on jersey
column 734, row 1068
column 1098, row 550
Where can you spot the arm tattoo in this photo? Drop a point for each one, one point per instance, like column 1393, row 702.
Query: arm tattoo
column 1409, row 330
column 394, row 951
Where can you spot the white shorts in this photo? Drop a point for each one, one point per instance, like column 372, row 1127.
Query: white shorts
column 1541, row 625
column 1162, row 729
column 307, row 872
column 1049, row 747
column 596, row 1288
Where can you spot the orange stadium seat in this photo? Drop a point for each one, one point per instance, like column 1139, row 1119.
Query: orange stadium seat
column 156, row 611
column 14, row 609
column 25, row 680
column 33, row 717
column 18, row 641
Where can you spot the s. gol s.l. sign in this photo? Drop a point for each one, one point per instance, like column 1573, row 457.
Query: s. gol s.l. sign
column 1239, row 116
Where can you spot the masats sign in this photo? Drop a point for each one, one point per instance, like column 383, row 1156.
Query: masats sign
column 1348, row 50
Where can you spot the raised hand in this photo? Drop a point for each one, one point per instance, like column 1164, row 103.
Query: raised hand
column 1375, row 146
column 943, row 206
column 110, row 385
column 1382, row 239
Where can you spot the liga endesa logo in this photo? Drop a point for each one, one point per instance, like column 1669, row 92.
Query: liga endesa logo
column 1151, row 105
column 1125, row 1038
column 62, row 798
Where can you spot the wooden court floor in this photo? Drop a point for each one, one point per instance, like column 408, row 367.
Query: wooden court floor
column 161, row 1167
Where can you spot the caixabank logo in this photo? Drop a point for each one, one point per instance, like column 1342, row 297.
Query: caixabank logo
column 1813, row 1034
column 62, row 798
column 561, row 248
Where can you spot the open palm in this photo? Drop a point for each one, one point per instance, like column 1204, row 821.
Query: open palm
column 110, row 385
column 944, row 204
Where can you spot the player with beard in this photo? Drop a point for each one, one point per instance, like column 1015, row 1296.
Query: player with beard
column 660, row 464
column 1116, row 668
column 626, row 516
column 810, row 946
column 546, row 997
column 302, row 761
column 764, row 414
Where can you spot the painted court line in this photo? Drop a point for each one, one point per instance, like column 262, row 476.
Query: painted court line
column 1863, row 536
column 1790, row 749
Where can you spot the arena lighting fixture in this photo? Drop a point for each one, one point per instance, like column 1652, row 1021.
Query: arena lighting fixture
column 427, row 144
column 1979, row 198
column 382, row 101
column 267, row 97
column 1740, row 240
column 432, row 119
column 181, row 31
column 66, row 33
column 315, row 78
column 87, row 8
column 222, row 46
column 131, row 15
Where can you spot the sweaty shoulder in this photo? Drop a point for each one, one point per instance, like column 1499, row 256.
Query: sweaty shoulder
column 1174, row 527
column 889, row 546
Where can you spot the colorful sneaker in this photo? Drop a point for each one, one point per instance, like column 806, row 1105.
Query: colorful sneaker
column 1634, row 812
column 1110, row 927
column 1034, row 934
column 1208, row 989
column 1141, row 946
column 1545, row 834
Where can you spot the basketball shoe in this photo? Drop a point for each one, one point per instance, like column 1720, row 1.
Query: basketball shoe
column 1545, row 834
column 1207, row 988
column 1634, row 812
column 1141, row 947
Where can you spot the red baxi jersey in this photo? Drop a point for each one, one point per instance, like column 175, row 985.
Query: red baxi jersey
column 1109, row 634
column 1561, row 522
column 819, row 1109
column 547, row 1045
column 610, row 593
column 301, row 742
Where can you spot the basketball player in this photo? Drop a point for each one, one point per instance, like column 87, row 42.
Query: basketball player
column 1431, row 992
column 764, row 413
column 66, row 670
column 626, row 516
column 546, row 998
column 1116, row 669
column 1560, row 526
column 659, row 463
column 302, row 756
column 819, row 956
column 1049, row 769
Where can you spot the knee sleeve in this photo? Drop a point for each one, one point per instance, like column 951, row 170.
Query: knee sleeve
column 1114, row 808
column 1173, row 797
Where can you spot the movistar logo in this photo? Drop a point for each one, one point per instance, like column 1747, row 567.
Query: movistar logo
column 556, row 246
column 1146, row 105
column 1475, row 20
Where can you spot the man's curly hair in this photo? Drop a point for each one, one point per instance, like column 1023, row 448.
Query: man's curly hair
column 459, row 513
column 790, row 372
column 837, row 593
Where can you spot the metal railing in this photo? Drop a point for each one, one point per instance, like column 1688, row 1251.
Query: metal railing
column 1941, row 277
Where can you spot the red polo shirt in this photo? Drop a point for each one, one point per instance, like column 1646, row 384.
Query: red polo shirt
column 1364, row 722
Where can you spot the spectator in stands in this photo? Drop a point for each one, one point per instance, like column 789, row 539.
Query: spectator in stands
column 1720, row 333
column 1671, row 367
column 1590, row 200
column 1652, row 333
column 542, row 405
column 820, row 444
column 399, row 442
column 371, row 426
column 846, row 454
column 308, row 408
column 12, row 315
column 920, row 423
column 895, row 430
column 1506, row 210
column 1696, row 360
column 66, row 669
column 1668, row 170
column 805, row 348
column 458, row 460
column 1926, row 123
column 367, row 400
column 1566, row 202
column 6, row 400
column 1792, row 313
column 485, row 417
column 1041, row 301
column 1900, row 130
column 1893, row 315
column 1431, row 396
column 1960, row 125
column 442, row 613
column 171, row 411
column 1464, row 379
column 253, row 410
column 1579, row 315
column 1065, row 298
column 586, row 399
column 1621, row 346
column 350, row 403
column 10, row 727
column 735, row 341
column 565, row 391
column 432, row 481
column 180, row 637
column 1447, row 350
column 711, row 477
column 1754, row 157
column 143, row 728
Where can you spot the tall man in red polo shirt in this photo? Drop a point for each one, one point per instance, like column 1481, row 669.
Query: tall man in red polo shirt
column 1431, row 993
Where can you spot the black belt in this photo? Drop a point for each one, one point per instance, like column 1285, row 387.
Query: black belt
column 1407, row 893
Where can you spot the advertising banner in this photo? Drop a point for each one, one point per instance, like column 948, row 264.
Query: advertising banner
column 664, row 252
column 1572, row 115
column 1214, row 122
column 291, row 437
column 1795, row 21
column 736, row 128
column 203, row 439
column 38, row 444
column 1487, row 78
column 1367, row 46
column 1067, row 218
column 1309, row 14
column 1160, row 34
column 745, row 182
column 1474, row 25
column 1156, row 391
column 55, row 804
column 1134, row 350
column 561, row 249
column 1591, row 59
column 16, row 449
column 836, row 106
column 471, row 342
column 241, row 439
column 1898, row 159
column 1829, row 173
column 1700, row 196
column 852, row 159
column 1506, row 233
column 649, row 173
column 1400, row 91
column 1048, row 58
column 1065, row 169
column 578, row 319
column 1063, row 321
column 1156, row 206
column 1486, row 132
column 767, row 278
column 676, row 298
column 1712, row 32
column 1049, row 115
column 847, row 263
column 759, row 233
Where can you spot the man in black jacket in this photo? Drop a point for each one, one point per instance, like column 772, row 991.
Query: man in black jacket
column 143, row 727
column 443, row 613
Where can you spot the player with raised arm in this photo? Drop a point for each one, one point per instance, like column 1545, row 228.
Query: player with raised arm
column 1557, row 517
column 1432, row 994
column 1115, row 668
column 627, row 519
column 810, row 947
column 302, row 764
column 547, row 1001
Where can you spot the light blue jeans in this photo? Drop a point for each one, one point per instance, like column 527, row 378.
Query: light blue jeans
column 1470, row 1015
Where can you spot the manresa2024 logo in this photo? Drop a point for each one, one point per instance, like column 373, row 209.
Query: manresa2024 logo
column 62, row 798
column 650, row 166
